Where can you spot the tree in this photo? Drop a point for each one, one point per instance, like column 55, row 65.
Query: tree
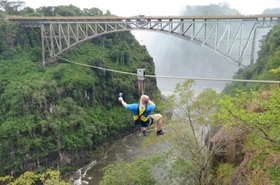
column 190, row 134
column 46, row 10
column 139, row 172
column 50, row 177
column 256, row 113
column 67, row 11
column 92, row 12
column 12, row 7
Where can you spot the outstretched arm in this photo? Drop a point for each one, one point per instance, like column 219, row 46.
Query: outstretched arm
column 122, row 102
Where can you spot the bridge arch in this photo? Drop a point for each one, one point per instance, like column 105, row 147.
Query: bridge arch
column 53, row 59
column 199, row 43
column 232, row 37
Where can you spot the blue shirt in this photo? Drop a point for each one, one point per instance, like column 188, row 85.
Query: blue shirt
column 133, row 107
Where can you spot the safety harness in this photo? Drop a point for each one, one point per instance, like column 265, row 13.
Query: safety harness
column 139, row 120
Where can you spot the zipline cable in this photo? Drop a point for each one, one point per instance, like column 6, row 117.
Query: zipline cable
column 96, row 67
column 174, row 77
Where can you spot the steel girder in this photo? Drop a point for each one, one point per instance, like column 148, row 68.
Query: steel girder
column 233, row 38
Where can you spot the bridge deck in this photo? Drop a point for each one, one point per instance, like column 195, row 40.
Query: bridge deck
column 89, row 18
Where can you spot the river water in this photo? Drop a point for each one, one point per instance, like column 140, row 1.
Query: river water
column 126, row 148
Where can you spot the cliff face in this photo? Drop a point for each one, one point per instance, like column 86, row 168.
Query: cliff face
column 246, row 160
column 232, row 152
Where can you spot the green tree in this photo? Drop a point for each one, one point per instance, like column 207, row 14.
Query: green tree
column 8, row 37
column 50, row 177
column 191, row 130
column 67, row 11
column 11, row 7
column 253, row 113
column 92, row 12
column 139, row 172
column 257, row 116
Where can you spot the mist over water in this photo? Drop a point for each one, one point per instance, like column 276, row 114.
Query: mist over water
column 177, row 57
column 174, row 56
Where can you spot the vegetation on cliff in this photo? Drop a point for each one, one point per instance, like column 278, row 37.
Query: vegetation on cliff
column 51, row 116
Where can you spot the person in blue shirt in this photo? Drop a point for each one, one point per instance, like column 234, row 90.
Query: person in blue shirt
column 142, row 113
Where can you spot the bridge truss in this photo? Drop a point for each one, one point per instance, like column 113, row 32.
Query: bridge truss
column 233, row 37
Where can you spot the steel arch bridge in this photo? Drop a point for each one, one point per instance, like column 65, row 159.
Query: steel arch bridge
column 233, row 37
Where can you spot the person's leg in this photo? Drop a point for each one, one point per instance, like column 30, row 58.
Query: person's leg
column 158, row 120
column 143, row 129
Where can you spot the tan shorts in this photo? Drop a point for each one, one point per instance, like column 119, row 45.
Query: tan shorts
column 155, row 118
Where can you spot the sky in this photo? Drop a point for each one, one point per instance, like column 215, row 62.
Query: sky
column 157, row 7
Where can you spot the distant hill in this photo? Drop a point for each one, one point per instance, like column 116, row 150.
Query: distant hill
column 272, row 11
column 212, row 9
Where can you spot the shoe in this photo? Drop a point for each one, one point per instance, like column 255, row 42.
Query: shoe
column 161, row 132
column 144, row 133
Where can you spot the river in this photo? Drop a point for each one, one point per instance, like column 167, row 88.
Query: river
column 126, row 148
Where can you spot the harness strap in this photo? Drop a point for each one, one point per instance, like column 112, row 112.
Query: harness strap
column 139, row 116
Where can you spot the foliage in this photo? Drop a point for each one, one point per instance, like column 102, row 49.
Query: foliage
column 265, row 68
column 11, row 7
column 255, row 114
column 51, row 112
column 274, row 174
column 50, row 177
column 139, row 172
column 224, row 173
column 263, row 168
column 190, row 135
